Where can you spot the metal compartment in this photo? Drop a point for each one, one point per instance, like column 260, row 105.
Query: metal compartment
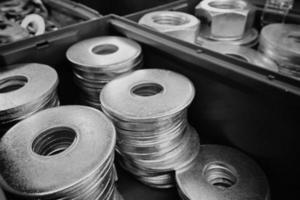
column 254, row 110
column 62, row 13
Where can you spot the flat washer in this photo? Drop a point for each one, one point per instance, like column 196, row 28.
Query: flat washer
column 106, row 53
column 221, row 172
column 38, row 81
column 36, row 174
column 174, row 92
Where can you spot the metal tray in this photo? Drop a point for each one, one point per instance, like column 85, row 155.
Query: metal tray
column 188, row 7
column 68, row 10
column 253, row 110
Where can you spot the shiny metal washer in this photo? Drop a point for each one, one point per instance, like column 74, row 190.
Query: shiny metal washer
column 172, row 93
column 35, row 80
column 58, row 153
column 245, row 54
column 221, row 172
column 24, row 90
column 281, row 43
column 104, row 54
column 250, row 39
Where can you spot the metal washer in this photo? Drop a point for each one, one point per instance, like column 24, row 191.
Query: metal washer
column 246, row 54
column 118, row 97
column 123, row 53
column 221, row 172
column 280, row 42
column 26, row 172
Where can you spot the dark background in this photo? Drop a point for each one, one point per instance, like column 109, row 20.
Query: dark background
column 123, row 7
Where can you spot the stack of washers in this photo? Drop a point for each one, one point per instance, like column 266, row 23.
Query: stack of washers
column 149, row 108
column 281, row 42
column 221, row 172
column 65, row 152
column 97, row 61
column 24, row 90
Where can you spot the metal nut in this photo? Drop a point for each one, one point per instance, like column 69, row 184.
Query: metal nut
column 225, row 19
column 177, row 24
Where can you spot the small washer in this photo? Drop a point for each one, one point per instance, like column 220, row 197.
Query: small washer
column 34, row 81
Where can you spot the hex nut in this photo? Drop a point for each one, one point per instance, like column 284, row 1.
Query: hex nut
column 225, row 19
column 176, row 24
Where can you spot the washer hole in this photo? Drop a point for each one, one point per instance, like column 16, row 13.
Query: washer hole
column 13, row 83
column 54, row 141
column 147, row 89
column 238, row 57
column 228, row 5
column 220, row 175
column 105, row 49
column 169, row 19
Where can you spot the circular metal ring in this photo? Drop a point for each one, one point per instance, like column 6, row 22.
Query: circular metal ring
column 22, row 84
column 147, row 94
column 281, row 42
column 104, row 54
column 245, row 54
column 250, row 39
column 221, row 172
column 55, row 150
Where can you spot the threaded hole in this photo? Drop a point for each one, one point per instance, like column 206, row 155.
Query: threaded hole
column 54, row 141
column 169, row 19
column 105, row 49
column 228, row 5
column 238, row 57
column 12, row 83
column 147, row 89
column 220, row 175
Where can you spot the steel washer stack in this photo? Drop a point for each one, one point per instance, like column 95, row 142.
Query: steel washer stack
column 97, row 61
column 24, row 90
column 148, row 108
column 60, row 153
column 280, row 42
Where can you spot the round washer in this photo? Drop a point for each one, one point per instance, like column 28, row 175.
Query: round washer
column 221, row 172
column 105, row 53
column 38, row 81
column 284, row 38
column 36, row 174
column 172, row 93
